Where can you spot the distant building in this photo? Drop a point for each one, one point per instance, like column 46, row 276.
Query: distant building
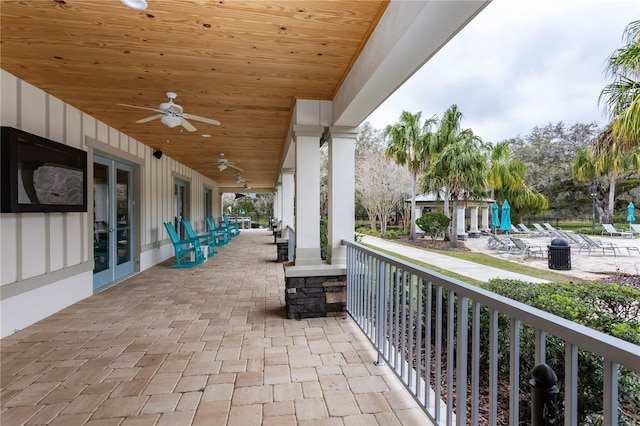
column 435, row 202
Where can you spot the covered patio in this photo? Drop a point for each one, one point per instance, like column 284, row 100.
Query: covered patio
column 208, row 345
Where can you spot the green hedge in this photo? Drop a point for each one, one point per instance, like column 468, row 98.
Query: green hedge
column 609, row 308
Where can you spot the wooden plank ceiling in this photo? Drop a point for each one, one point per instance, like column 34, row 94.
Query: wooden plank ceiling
column 243, row 63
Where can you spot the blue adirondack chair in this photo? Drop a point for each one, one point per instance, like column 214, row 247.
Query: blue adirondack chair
column 205, row 239
column 233, row 227
column 220, row 235
column 184, row 249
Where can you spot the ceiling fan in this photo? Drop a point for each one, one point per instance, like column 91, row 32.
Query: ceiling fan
column 240, row 179
column 223, row 163
column 172, row 115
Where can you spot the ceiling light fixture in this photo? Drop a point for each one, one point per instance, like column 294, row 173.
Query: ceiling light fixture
column 221, row 167
column 170, row 121
column 135, row 4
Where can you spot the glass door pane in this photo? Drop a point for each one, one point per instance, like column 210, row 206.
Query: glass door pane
column 123, row 215
column 181, row 195
column 101, row 219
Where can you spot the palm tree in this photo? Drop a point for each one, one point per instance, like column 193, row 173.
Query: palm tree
column 506, row 179
column 462, row 168
column 525, row 199
column 622, row 96
column 504, row 172
column 614, row 164
column 407, row 144
column 449, row 133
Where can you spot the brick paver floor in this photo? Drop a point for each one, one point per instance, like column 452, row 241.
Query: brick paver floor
column 209, row 345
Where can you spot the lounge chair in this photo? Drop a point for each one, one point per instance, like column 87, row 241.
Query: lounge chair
column 498, row 243
column 528, row 231
column 635, row 228
column 540, row 229
column 611, row 230
column 601, row 245
column 187, row 252
column 573, row 238
column 551, row 229
column 515, row 230
column 525, row 249
column 205, row 239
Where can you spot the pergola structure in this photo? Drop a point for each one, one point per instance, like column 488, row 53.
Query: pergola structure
column 430, row 201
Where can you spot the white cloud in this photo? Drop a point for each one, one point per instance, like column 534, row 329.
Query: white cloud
column 518, row 65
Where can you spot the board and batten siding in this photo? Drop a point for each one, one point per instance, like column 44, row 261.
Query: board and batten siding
column 46, row 259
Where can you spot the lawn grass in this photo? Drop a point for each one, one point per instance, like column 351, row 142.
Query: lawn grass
column 486, row 260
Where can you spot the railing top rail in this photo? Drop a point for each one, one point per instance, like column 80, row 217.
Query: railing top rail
column 612, row 348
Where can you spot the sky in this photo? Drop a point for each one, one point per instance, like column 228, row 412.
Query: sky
column 519, row 64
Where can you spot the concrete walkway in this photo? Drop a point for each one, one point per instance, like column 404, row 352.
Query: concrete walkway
column 462, row 267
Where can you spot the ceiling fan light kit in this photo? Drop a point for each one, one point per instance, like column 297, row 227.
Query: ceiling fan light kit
column 170, row 121
column 135, row 4
column 223, row 163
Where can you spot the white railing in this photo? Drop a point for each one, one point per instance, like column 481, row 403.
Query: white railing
column 400, row 319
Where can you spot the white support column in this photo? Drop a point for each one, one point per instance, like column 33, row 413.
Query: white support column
column 485, row 218
column 277, row 201
column 342, row 143
column 473, row 214
column 307, row 190
column 460, row 218
column 288, row 191
column 220, row 203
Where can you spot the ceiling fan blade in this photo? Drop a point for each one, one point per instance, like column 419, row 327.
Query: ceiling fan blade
column 202, row 119
column 153, row 117
column 141, row 107
column 187, row 125
column 235, row 167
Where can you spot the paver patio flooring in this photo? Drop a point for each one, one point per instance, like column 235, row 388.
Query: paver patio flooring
column 209, row 345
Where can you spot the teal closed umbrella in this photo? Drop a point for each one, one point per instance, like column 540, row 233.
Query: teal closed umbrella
column 505, row 223
column 630, row 217
column 495, row 218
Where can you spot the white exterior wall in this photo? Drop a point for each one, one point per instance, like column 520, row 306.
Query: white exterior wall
column 46, row 259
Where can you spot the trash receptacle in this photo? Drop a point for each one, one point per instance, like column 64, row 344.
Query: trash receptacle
column 559, row 254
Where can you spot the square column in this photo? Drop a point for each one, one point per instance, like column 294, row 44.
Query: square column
column 277, row 202
column 485, row 218
column 342, row 143
column 307, row 194
column 460, row 218
column 287, row 199
column 473, row 213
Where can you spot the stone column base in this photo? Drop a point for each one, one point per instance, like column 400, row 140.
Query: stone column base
column 315, row 297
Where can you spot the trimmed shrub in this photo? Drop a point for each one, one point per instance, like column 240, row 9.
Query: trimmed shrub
column 368, row 231
column 608, row 308
column 433, row 224
column 391, row 234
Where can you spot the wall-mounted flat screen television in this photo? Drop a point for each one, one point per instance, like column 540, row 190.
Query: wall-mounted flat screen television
column 40, row 175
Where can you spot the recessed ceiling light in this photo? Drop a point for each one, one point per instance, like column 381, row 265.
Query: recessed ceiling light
column 206, row 136
column 135, row 4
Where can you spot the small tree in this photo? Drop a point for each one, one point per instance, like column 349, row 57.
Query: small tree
column 380, row 187
column 433, row 224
